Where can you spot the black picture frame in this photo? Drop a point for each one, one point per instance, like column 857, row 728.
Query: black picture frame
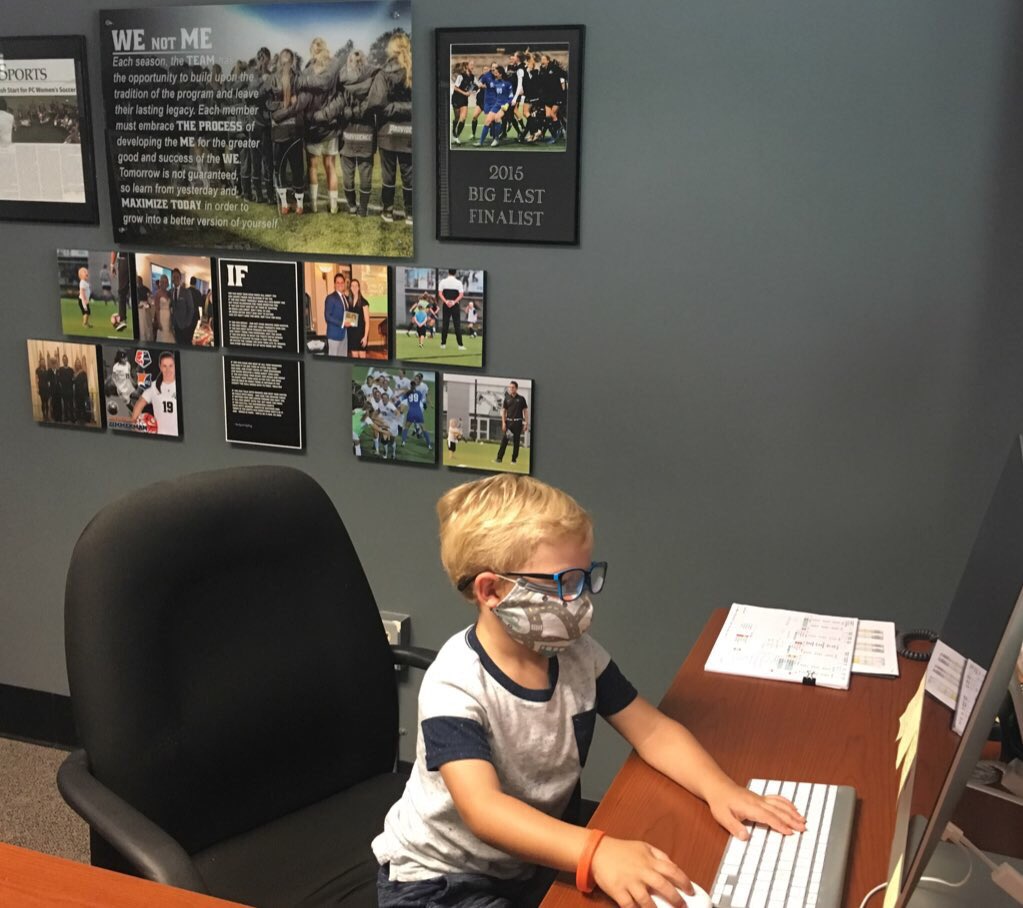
column 58, row 49
column 511, row 191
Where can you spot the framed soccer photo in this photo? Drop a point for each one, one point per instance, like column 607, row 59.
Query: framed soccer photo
column 176, row 300
column 487, row 423
column 95, row 293
column 47, row 170
column 142, row 390
column 347, row 310
column 64, row 378
column 508, row 115
column 394, row 415
column 439, row 316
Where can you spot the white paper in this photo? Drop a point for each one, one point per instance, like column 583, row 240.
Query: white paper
column 875, row 649
column 783, row 645
column 46, row 166
column 944, row 672
column 973, row 678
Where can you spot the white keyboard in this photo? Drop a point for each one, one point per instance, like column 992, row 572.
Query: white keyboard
column 803, row 870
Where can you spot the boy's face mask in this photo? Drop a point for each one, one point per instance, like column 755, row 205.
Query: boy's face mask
column 540, row 620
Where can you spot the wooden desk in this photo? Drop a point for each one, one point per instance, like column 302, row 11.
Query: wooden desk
column 29, row 879
column 764, row 729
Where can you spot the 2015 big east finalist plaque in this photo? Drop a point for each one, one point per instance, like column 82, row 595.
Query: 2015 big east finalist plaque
column 508, row 109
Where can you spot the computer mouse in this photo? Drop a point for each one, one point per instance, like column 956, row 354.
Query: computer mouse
column 699, row 899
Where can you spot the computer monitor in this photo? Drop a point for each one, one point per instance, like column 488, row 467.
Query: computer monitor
column 985, row 625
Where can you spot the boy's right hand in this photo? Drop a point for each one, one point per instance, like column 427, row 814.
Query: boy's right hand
column 629, row 871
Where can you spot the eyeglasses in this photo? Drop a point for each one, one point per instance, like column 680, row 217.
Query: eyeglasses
column 571, row 582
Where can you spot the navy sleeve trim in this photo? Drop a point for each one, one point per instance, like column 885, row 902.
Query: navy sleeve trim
column 450, row 738
column 614, row 692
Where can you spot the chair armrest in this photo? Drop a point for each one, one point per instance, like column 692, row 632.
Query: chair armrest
column 416, row 656
column 144, row 845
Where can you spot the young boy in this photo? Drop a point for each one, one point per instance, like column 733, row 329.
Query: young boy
column 506, row 715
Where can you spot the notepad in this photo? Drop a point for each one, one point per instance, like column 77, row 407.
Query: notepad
column 782, row 645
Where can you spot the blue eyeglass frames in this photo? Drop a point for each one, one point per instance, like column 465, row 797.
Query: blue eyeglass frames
column 571, row 582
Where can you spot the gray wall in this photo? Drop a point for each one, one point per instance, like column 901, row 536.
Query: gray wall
column 780, row 368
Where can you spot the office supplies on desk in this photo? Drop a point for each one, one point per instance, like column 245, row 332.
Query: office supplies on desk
column 875, row 652
column 802, row 870
column 782, row 645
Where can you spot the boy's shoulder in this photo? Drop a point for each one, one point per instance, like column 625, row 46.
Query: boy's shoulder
column 454, row 659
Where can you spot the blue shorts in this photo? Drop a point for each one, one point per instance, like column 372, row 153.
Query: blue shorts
column 463, row 890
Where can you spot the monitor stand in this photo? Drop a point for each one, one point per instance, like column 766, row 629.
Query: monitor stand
column 949, row 862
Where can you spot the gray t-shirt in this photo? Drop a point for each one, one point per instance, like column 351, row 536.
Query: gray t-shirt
column 537, row 740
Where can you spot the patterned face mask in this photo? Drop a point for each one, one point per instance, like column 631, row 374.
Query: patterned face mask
column 542, row 621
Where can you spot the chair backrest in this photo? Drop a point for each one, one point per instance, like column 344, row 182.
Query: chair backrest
column 225, row 655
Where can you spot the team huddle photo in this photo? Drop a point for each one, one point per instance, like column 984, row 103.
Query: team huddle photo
column 509, row 97
column 439, row 316
column 486, row 421
column 394, row 415
column 304, row 142
column 142, row 391
column 95, row 293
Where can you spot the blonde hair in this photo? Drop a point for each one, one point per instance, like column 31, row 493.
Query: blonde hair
column 400, row 48
column 495, row 524
column 320, row 55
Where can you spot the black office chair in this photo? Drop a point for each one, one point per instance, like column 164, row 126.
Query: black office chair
column 233, row 689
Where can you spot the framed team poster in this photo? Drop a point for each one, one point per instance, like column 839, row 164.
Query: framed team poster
column 47, row 171
column 508, row 114
column 281, row 126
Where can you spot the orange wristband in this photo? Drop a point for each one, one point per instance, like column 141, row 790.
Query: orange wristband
column 584, row 881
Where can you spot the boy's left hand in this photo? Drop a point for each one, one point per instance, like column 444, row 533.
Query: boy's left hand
column 731, row 804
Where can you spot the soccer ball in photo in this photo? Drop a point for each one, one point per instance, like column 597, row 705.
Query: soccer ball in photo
column 117, row 322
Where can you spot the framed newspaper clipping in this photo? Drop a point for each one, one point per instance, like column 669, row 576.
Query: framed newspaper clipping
column 47, row 169
column 508, row 114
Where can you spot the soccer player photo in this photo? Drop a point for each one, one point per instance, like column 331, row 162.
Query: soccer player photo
column 394, row 415
column 143, row 391
column 488, row 423
column 347, row 310
column 95, row 293
column 439, row 316
column 175, row 299
column 64, row 382
column 508, row 109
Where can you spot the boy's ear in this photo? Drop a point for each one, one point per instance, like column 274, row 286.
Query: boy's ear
column 487, row 589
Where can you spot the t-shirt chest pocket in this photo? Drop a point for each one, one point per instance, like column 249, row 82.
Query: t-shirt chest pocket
column 584, row 724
